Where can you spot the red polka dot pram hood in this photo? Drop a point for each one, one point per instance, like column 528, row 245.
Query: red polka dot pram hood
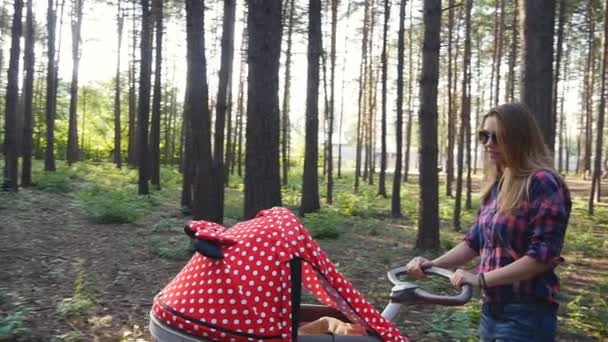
column 249, row 293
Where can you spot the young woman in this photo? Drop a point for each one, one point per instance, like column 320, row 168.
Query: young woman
column 518, row 233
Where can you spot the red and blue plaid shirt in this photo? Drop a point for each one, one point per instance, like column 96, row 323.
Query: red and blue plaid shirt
column 536, row 229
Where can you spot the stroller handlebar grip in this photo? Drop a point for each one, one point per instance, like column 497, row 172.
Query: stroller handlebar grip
column 426, row 297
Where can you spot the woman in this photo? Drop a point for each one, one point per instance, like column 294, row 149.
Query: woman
column 519, row 232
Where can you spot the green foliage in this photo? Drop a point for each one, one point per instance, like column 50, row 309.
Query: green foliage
column 455, row 324
column 325, row 224
column 106, row 206
column 81, row 302
column 13, row 325
column 54, row 182
column 167, row 240
column 588, row 312
column 13, row 316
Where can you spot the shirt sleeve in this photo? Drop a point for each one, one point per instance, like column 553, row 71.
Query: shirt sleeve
column 550, row 206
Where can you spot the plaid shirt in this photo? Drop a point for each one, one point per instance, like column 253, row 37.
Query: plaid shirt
column 536, row 229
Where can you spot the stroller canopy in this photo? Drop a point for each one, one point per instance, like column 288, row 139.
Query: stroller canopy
column 249, row 294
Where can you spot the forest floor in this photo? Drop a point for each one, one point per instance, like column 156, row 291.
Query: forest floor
column 71, row 271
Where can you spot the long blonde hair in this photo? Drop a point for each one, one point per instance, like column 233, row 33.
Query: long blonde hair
column 521, row 143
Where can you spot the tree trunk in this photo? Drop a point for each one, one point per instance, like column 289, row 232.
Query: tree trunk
column 49, row 157
column 342, row 96
column 501, row 33
column 72, row 152
column 510, row 89
column 262, row 174
column 143, row 107
column 410, row 109
column 154, row 143
column 222, row 104
column 589, row 90
column 28, row 94
column 449, row 175
column 465, row 110
column 11, row 166
column 361, row 101
column 562, row 128
column 286, row 97
column 382, row 177
column 428, row 224
column 538, row 63
column 558, row 59
column 197, row 109
column 117, row 128
column 240, row 110
column 596, row 178
column 310, row 184
column 396, row 194
column 132, row 148
column 332, row 102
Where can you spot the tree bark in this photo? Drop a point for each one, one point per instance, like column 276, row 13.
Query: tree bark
column 538, row 63
column 310, row 184
column 597, row 165
column 262, row 174
column 286, row 97
column 143, row 107
column 72, row 151
column 49, row 156
column 382, row 177
column 11, row 166
column 330, row 119
column 154, row 143
column 361, row 101
column 558, row 58
column 396, row 194
column 28, row 95
column 465, row 111
column 449, row 170
column 117, row 110
column 410, row 110
column 428, row 224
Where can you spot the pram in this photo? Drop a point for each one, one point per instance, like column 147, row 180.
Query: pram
column 244, row 284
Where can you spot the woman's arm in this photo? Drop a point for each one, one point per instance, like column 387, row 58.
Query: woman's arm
column 457, row 256
column 521, row 269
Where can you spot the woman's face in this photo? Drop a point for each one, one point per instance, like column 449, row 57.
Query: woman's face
column 488, row 137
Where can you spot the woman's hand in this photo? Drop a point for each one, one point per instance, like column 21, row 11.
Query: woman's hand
column 416, row 266
column 461, row 277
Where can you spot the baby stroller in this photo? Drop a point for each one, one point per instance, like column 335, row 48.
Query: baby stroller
column 244, row 284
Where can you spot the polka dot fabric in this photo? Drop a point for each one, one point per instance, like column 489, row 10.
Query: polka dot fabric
column 246, row 296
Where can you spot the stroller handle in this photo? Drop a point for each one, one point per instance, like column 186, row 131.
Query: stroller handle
column 403, row 291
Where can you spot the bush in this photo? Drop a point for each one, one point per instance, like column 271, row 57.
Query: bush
column 13, row 325
column 324, row 224
column 108, row 206
column 57, row 182
column 171, row 247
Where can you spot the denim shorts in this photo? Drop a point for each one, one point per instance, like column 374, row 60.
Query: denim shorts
column 518, row 322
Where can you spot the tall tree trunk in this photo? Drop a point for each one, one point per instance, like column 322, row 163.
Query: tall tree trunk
column 451, row 117
column 342, row 95
column 599, row 143
column 332, row 102
column 465, row 110
column 510, row 89
column 396, row 195
column 410, row 97
column 49, row 158
column 538, row 63
column 197, row 110
column 28, row 95
column 361, row 101
column 310, row 184
column 589, row 90
column 143, row 106
column 117, row 128
column 382, row 178
column 11, row 165
column 428, row 224
column 287, row 97
column 499, row 43
column 562, row 128
column 240, row 110
column 132, row 148
column 154, row 143
column 262, row 174
column 72, row 152
column 558, row 58
column 222, row 104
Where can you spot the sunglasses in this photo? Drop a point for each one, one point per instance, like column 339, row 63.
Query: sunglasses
column 487, row 136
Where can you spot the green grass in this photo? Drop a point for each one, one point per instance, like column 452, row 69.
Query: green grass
column 13, row 317
column 81, row 301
